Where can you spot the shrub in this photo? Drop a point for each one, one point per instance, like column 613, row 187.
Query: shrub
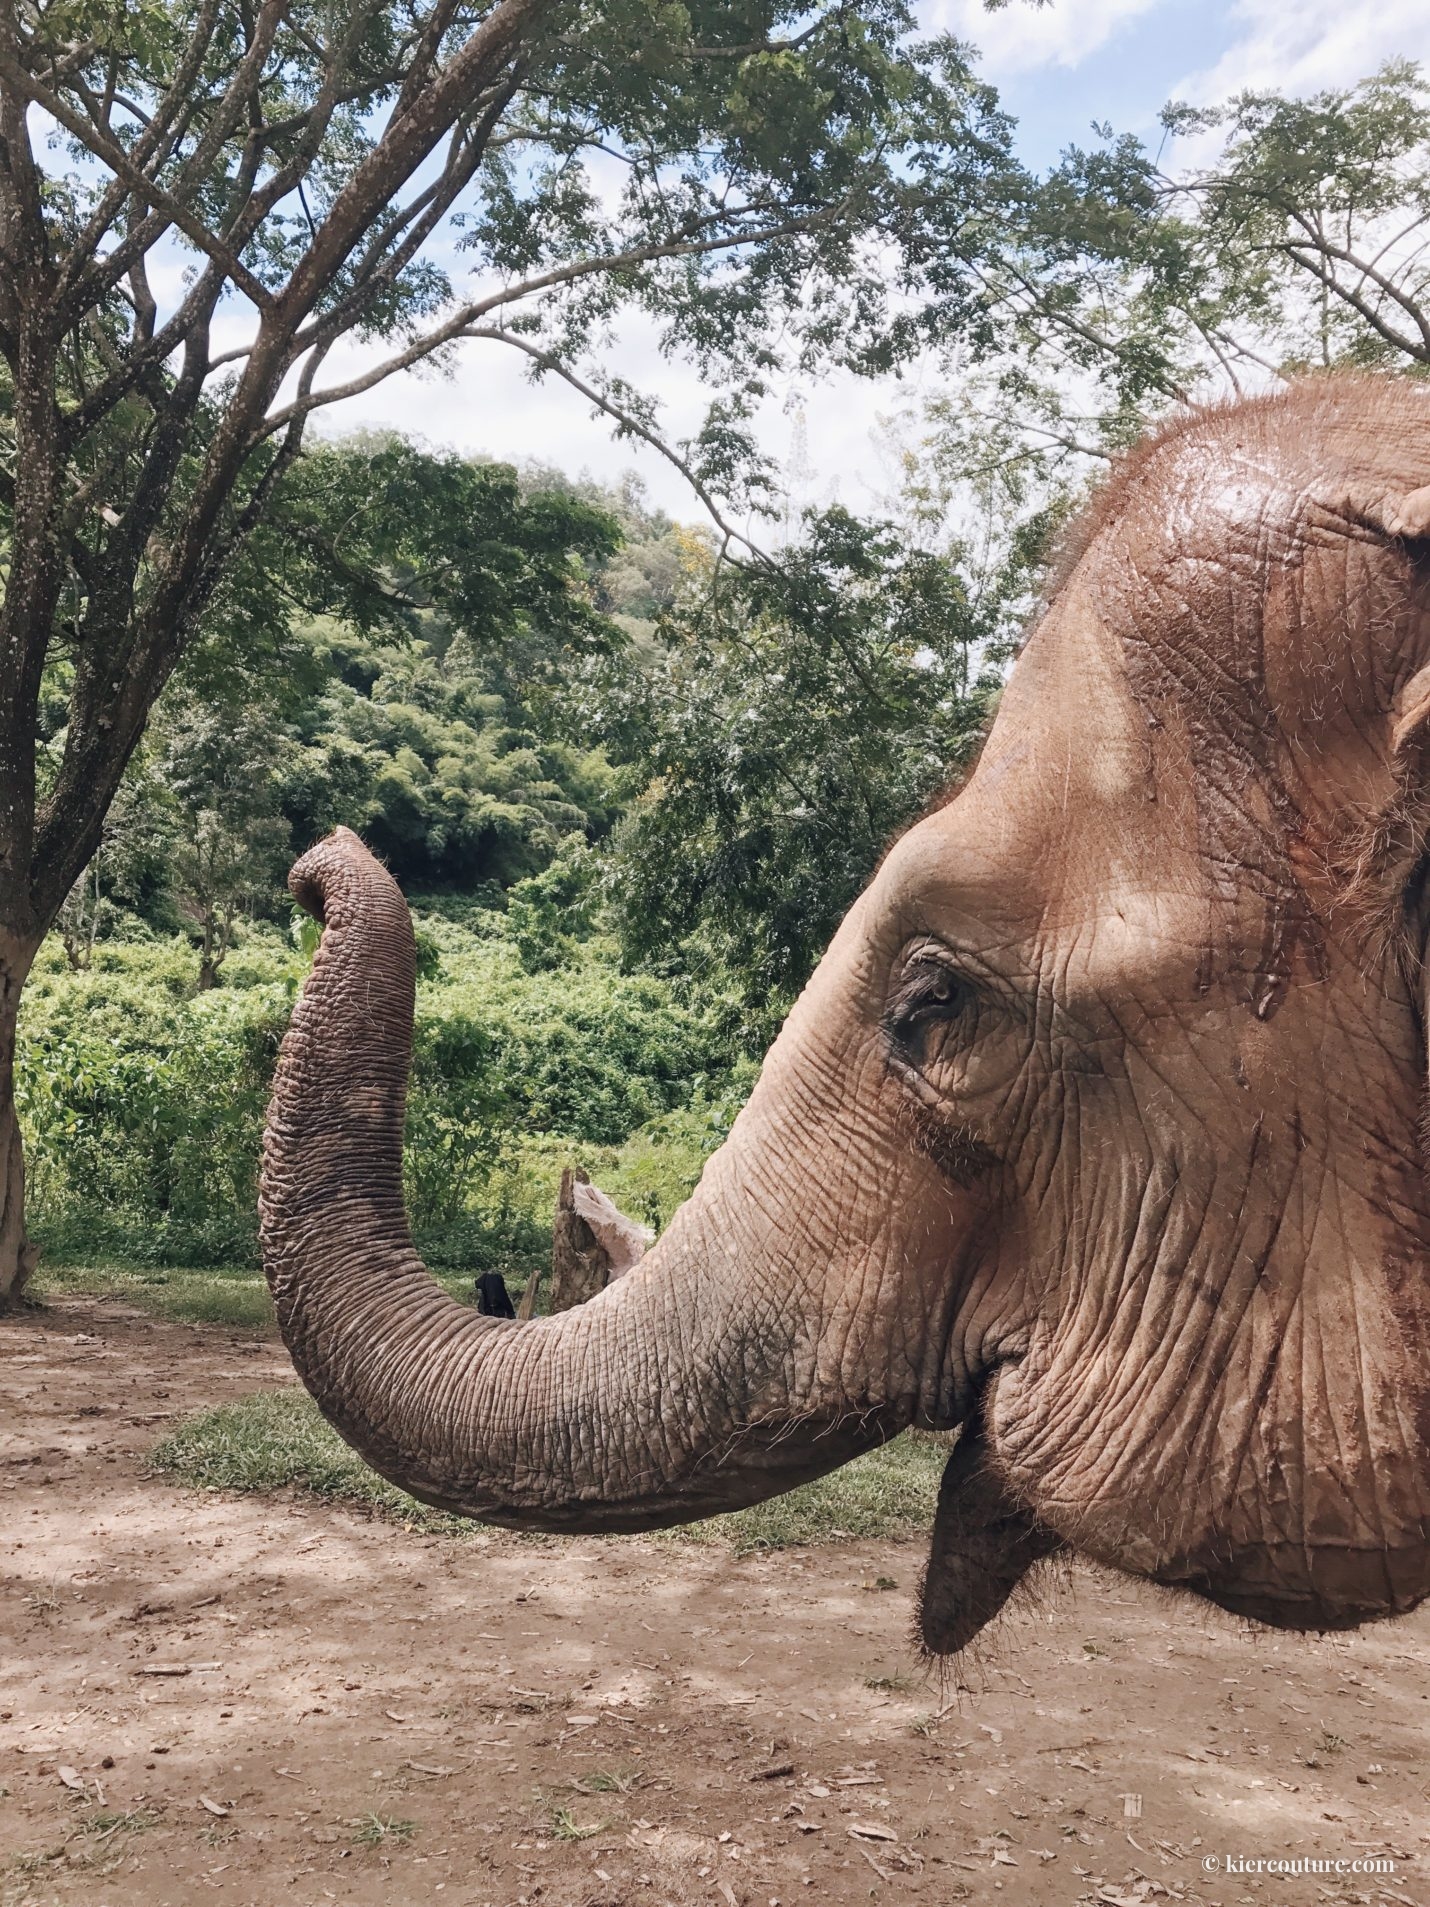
column 143, row 1101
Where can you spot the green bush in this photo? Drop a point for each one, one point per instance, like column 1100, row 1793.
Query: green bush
column 143, row 1100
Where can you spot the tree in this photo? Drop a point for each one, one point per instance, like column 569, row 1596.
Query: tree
column 798, row 715
column 1311, row 229
column 443, row 597
column 229, row 838
column 127, row 867
column 334, row 686
column 772, row 182
column 1132, row 283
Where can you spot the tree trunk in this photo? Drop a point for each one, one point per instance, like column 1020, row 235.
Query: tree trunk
column 17, row 1255
column 580, row 1263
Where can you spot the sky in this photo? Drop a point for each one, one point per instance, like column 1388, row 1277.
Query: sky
column 1058, row 69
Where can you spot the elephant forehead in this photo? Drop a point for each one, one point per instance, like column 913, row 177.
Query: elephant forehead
column 1058, row 872
column 1072, row 829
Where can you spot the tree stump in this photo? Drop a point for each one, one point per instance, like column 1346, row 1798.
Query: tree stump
column 580, row 1263
column 592, row 1242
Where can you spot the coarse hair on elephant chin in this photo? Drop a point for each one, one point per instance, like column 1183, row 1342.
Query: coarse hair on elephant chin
column 961, row 1660
column 985, row 1545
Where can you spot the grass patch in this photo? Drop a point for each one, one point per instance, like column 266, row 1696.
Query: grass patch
column 236, row 1297
column 110, row 1821
column 275, row 1440
column 377, row 1830
column 888, row 1492
column 606, row 1781
column 565, row 1826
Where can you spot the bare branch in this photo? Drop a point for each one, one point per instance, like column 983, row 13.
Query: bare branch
column 1367, row 271
column 383, row 261
column 1312, row 260
column 183, row 85
column 286, row 177
column 630, row 425
column 114, row 156
column 176, row 106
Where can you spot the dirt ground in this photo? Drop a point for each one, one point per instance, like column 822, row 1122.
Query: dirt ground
column 277, row 1701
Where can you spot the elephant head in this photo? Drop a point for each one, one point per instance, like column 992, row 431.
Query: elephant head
column 1096, row 1134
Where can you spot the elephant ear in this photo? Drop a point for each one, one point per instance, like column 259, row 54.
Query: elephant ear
column 1410, row 825
column 1410, row 732
column 1406, row 516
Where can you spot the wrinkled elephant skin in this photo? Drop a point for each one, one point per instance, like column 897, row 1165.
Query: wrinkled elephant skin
column 1096, row 1133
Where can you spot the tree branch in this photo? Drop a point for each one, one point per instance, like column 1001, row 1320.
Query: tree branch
column 1311, row 260
column 1366, row 271
column 630, row 425
column 115, row 157
column 406, row 141
column 457, row 325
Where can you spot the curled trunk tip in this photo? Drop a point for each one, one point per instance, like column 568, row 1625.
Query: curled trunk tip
column 319, row 873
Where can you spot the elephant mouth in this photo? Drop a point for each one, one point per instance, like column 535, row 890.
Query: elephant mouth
column 985, row 1544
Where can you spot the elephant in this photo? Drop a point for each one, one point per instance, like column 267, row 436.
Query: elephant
column 1098, row 1135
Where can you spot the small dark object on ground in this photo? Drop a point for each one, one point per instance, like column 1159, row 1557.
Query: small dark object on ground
column 493, row 1298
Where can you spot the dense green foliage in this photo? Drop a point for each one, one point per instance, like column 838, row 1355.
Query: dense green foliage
column 795, row 716
column 629, row 823
column 143, row 1100
column 1291, row 239
column 380, row 682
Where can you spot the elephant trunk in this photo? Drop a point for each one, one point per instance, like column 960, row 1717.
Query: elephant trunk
column 685, row 1388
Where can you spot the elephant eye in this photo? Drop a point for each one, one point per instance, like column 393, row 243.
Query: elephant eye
column 931, row 994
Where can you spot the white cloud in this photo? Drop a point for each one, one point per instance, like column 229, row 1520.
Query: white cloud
column 487, row 405
column 1020, row 37
column 1303, row 46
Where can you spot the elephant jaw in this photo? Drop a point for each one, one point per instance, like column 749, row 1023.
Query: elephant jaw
column 1332, row 1588
column 1330, row 1543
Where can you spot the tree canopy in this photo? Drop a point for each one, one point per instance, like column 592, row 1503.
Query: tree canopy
column 770, row 184
column 793, row 717
column 1260, row 238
